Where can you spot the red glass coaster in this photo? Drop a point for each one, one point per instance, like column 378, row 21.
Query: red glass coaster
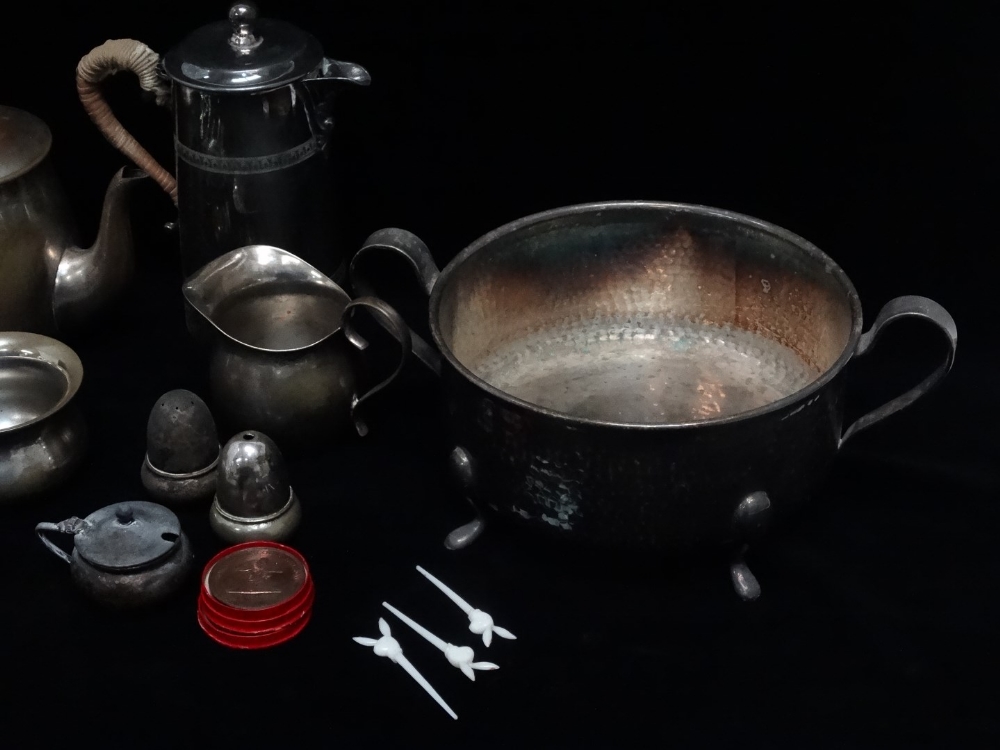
column 262, row 616
column 257, row 626
column 266, row 640
column 255, row 580
column 255, row 595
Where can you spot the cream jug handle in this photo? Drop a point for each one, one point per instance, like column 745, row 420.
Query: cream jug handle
column 114, row 56
column 415, row 252
column 390, row 320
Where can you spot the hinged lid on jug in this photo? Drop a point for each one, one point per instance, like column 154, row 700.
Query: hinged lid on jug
column 245, row 53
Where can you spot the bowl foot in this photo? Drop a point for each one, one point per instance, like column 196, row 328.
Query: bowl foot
column 750, row 520
column 744, row 581
column 465, row 535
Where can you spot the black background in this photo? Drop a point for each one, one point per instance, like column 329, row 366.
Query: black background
column 871, row 131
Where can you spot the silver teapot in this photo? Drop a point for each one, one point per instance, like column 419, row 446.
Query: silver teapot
column 251, row 101
column 47, row 281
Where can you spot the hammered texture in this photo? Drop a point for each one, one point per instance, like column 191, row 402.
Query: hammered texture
column 714, row 318
column 639, row 489
column 646, row 370
column 644, row 326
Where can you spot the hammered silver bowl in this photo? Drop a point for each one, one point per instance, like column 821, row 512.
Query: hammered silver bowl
column 42, row 433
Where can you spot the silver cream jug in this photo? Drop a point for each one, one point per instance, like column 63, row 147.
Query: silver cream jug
column 283, row 353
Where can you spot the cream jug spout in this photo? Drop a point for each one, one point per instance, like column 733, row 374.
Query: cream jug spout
column 266, row 299
column 87, row 279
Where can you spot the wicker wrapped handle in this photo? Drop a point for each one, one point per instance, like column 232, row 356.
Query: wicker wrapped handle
column 113, row 57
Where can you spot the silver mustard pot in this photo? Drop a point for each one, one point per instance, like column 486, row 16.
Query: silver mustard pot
column 252, row 103
column 125, row 555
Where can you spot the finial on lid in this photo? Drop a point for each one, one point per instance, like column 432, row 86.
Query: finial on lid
column 242, row 16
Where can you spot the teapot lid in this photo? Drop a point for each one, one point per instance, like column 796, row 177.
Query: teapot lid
column 128, row 536
column 245, row 53
column 24, row 141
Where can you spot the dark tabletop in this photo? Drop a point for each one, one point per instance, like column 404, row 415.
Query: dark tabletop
column 872, row 134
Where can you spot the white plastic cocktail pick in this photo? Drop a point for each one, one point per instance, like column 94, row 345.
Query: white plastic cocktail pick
column 479, row 622
column 458, row 656
column 389, row 647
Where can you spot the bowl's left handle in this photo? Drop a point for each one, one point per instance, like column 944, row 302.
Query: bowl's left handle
column 896, row 309
column 69, row 526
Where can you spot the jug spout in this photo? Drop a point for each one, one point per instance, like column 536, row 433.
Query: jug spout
column 89, row 278
column 332, row 74
column 343, row 72
column 321, row 90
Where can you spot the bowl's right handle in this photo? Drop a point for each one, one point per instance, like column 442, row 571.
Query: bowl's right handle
column 905, row 307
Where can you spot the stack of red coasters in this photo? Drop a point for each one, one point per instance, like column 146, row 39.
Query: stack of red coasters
column 255, row 595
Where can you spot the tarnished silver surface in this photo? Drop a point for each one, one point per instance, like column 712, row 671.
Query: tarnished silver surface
column 252, row 101
column 639, row 368
column 279, row 361
column 253, row 478
column 47, row 282
column 276, row 527
column 42, row 435
column 127, row 536
column 641, row 375
column 744, row 582
column 181, row 475
column 244, row 54
column 243, row 39
column 25, row 141
column 253, row 497
column 651, row 322
column 464, row 473
column 125, row 555
column 182, row 449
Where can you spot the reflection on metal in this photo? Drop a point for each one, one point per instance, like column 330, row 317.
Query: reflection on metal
column 652, row 362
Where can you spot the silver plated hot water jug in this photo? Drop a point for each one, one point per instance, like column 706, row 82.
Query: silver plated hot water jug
column 252, row 107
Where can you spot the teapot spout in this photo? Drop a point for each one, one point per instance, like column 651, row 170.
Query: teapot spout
column 89, row 278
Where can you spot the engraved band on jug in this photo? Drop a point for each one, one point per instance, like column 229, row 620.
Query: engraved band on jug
column 242, row 165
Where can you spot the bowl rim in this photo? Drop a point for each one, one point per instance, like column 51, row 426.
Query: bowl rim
column 51, row 352
column 759, row 225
